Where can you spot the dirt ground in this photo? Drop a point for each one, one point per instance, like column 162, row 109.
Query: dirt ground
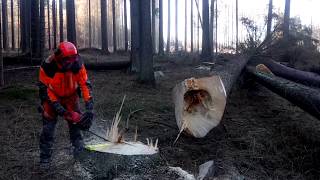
column 262, row 136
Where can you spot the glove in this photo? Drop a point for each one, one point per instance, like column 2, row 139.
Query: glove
column 59, row 108
column 89, row 105
column 72, row 116
column 85, row 121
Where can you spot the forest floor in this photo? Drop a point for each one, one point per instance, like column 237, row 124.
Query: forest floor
column 261, row 136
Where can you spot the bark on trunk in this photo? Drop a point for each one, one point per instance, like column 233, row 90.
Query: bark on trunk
column 1, row 59
column 103, row 165
column 237, row 26
column 161, row 27
column 303, row 77
column 71, row 24
column 153, row 9
column 305, row 97
column 35, row 28
column 12, row 27
column 61, row 20
column 42, row 29
column 269, row 23
column 286, row 21
column 54, row 23
column 135, row 39
column 206, row 49
column 4, row 25
column 169, row 24
column 200, row 103
column 185, row 26
column 25, row 18
column 49, row 27
column 114, row 26
column 176, row 46
column 116, row 65
column 90, row 30
column 104, row 26
column 125, row 26
column 191, row 24
column 145, row 50
column 211, row 24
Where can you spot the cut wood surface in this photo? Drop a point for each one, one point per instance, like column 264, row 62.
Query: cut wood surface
column 200, row 103
column 303, row 77
column 305, row 97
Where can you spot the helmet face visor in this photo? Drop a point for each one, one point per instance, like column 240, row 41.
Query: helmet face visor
column 68, row 62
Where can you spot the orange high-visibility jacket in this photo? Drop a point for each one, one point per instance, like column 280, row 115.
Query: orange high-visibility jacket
column 64, row 84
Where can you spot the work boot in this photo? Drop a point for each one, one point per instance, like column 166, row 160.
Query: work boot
column 77, row 152
column 44, row 165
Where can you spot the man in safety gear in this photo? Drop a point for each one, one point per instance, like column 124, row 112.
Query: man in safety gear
column 63, row 78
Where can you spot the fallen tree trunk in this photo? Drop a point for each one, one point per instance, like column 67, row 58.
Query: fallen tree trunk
column 305, row 97
column 303, row 77
column 108, row 65
column 200, row 103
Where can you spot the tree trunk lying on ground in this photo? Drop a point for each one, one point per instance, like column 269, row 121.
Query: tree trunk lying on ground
column 303, row 77
column 200, row 103
column 305, row 97
column 108, row 65
column 101, row 65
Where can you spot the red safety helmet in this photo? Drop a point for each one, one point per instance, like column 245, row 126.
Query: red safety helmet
column 66, row 49
column 66, row 55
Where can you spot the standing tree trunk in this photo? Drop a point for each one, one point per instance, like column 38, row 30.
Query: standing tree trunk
column 145, row 50
column 169, row 22
column 216, row 27
column 198, row 33
column 125, row 26
column 54, row 23
column 25, row 21
column 114, row 26
column 4, row 24
column 12, row 27
column 269, row 24
column 104, row 26
column 42, row 28
column 160, row 27
column 153, row 5
column 211, row 25
column 49, row 32
column 176, row 47
column 135, row 36
column 286, row 21
column 35, row 28
column 206, row 49
column 61, row 20
column 237, row 26
column 71, row 24
column 90, row 29
column 191, row 24
column 1, row 60
column 185, row 26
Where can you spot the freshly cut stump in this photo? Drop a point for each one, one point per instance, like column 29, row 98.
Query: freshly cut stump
column 106, row 160
column 199, row 104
